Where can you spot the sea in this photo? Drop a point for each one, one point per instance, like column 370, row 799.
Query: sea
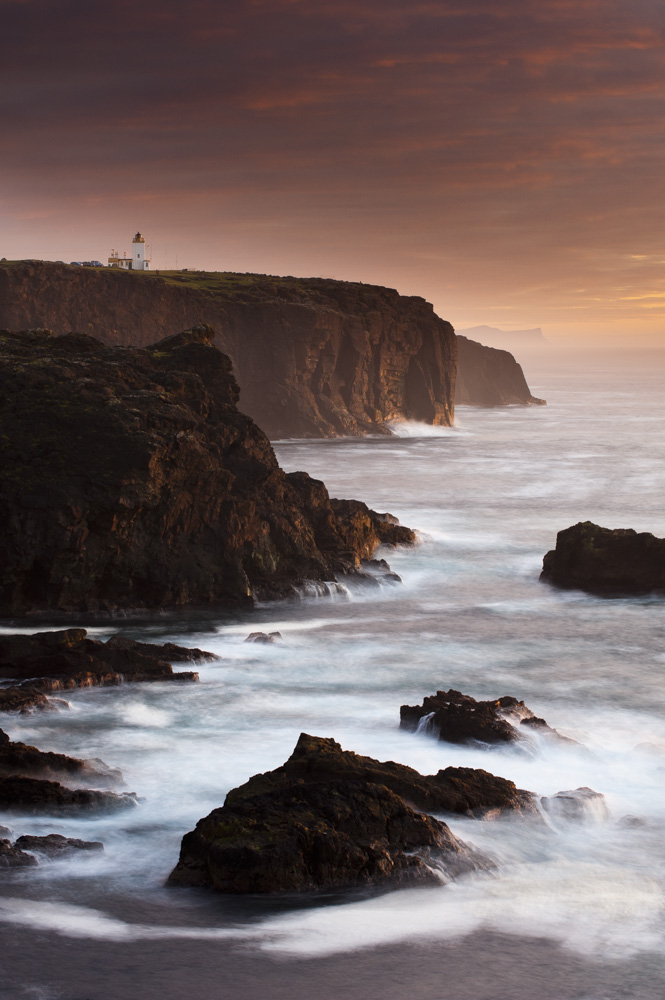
column 571, row 910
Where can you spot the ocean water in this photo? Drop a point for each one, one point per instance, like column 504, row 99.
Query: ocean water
column 579, row 907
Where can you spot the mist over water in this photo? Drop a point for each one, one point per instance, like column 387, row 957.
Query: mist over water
column 488, row 498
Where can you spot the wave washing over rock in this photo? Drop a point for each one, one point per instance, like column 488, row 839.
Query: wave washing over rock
column 130, row 479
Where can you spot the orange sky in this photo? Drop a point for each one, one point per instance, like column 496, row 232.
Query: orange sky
column 502, row 159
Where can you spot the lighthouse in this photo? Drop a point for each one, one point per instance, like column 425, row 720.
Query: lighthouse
column 139, row 260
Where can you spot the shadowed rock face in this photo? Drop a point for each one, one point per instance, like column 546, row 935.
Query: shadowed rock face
column 608, row 561
column 314, row 357
column 36, row 796
column 487, row 376
column 128, row 479
column 329, row 817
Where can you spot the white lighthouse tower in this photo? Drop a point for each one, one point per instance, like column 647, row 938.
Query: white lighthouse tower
column 139, row 260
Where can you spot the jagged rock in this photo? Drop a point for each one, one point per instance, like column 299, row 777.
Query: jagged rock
column 5, row 833
column 21, row 759
column 35, row 796
column 13, row 857
column 130, row 479
column 487, row 376
column 53, row 845
column 263, row 637
column 58, row 661
column 579, row 805
column 329, row 817
column 314, row 357
column 613, row 562
column 459, row 718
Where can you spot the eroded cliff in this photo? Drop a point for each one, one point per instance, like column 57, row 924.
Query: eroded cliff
column 487, row 376
column 313, row 357
column 128, row 478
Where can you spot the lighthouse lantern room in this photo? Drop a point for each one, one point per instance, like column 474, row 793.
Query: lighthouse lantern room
column 137, row 262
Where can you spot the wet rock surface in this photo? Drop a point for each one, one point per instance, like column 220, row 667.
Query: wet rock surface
column 13, row 857
column 46, row 662
column 613, row 562
column 54, row 845
column 459, row 718
column 329, row 817
column 35, row 796
column 131, row 480
column 581, row 805
column 21, row 759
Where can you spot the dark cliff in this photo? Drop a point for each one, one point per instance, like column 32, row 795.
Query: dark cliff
column 314, row 357
column 487, row 376
column 128, row 478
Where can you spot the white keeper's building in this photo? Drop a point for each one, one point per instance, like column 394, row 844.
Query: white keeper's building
column 137, row 262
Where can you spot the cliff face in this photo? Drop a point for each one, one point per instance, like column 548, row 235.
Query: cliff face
column 128, row 478
column 489, row 377
column 313, row 357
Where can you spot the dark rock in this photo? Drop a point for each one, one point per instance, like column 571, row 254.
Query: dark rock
column 314, row 357
column 35, row 796
column 263, row 637
column 328, row 817
column 489, row 377
column 58, row 661
column 613, row 562
column 13, row 857
column 55, row 846
column 579, row 805
column 458, row 718
column 5, row 833
column 131, row 480
column 21, row 759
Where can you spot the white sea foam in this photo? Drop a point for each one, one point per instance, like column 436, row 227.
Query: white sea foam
column 417, row 429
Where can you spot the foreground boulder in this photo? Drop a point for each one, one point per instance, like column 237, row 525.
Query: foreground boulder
column 129, row 479
column 613, row 562
column 58, row 661
column 36, row 796
column 331, row 818
column 459, row 718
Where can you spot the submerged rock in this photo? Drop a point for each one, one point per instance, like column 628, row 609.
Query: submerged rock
column 22, row 759
column 263, row 637
column 329, row 817
column 35, row 796
column 58, row 661
column 614, row 562
column 459, row 718
column 129, row 479
column 580, row 805
column 13, row 857
column 53, row 845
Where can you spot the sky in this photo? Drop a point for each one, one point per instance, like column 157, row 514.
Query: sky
column 502, row 158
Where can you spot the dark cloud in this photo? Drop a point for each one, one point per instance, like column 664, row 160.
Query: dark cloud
column 517, row 144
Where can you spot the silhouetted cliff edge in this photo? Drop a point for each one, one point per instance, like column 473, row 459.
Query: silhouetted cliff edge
column 314, row 357
column 487, row 376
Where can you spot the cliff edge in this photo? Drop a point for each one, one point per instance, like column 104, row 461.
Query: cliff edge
column 487, row 376
column 129, row 479
column 314, row 357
